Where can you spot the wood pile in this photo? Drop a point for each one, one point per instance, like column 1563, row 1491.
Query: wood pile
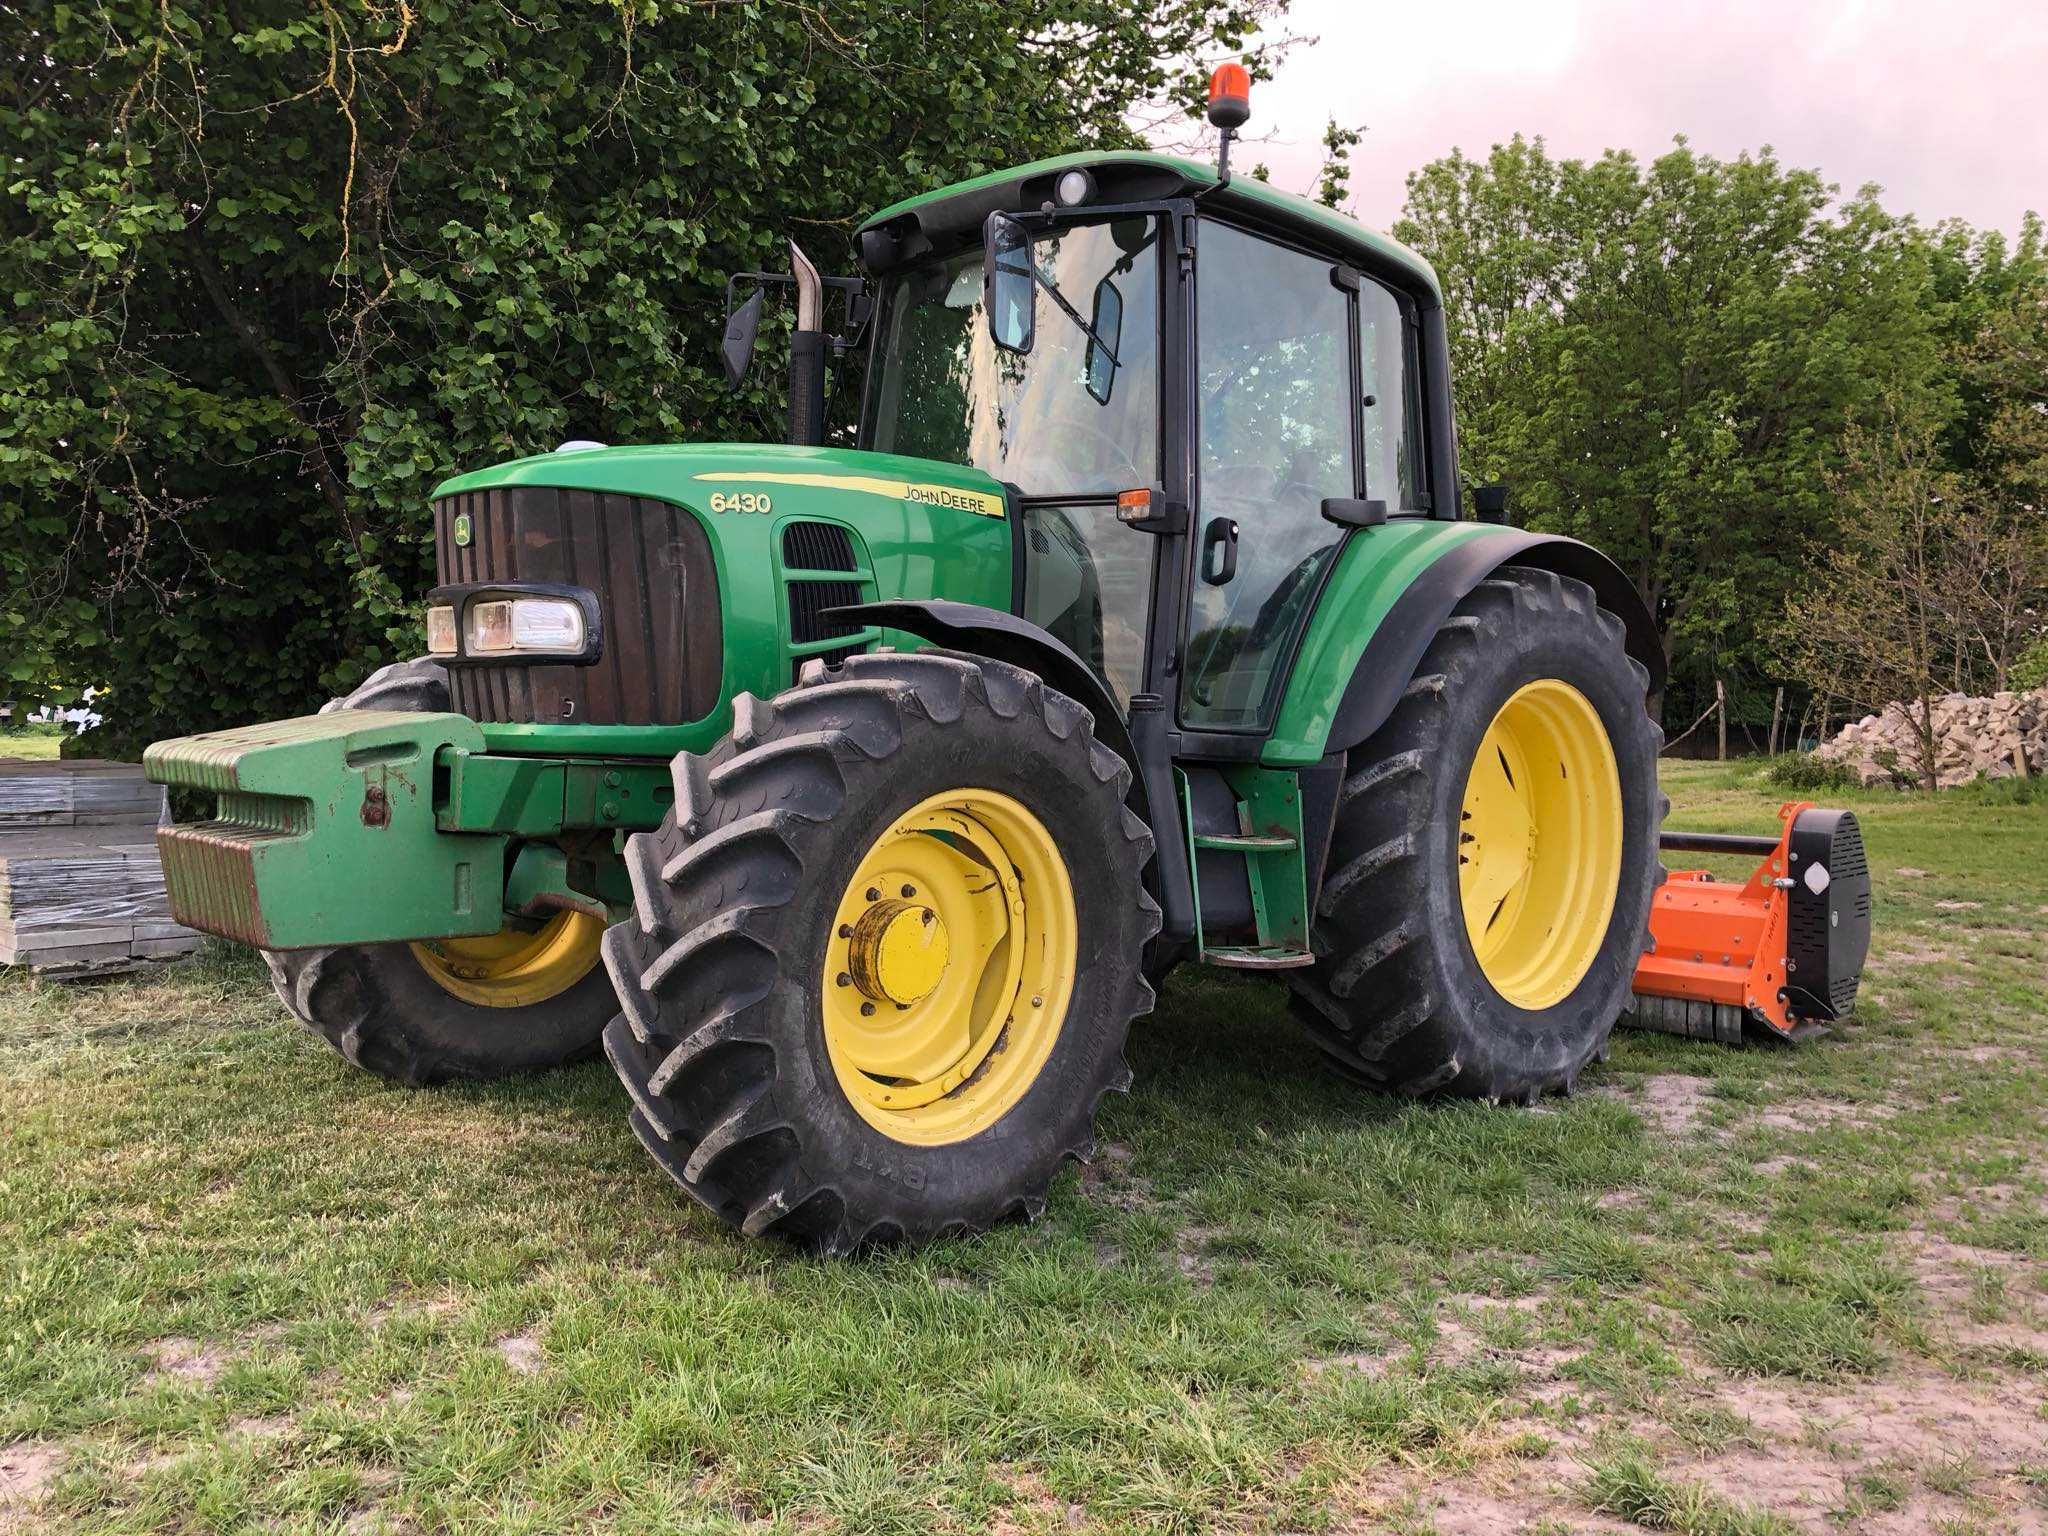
column 81, row 887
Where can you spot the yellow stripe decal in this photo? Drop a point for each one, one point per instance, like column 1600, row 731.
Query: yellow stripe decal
column 980, row 503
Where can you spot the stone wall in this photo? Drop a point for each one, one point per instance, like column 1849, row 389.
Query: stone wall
column 1975, row 738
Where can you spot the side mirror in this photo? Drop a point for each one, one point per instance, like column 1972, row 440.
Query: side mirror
column 1009, row 290
column 1490, row 502
column 1105, row 335
column 737, row 350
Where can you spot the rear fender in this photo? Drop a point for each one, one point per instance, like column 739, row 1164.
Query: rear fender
column 1365, row 694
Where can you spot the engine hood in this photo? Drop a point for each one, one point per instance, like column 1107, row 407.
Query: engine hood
column 792, row 532
column 690, row 473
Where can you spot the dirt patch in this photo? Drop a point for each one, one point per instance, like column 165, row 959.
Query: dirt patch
column 1465, row 1332
column 1992, row 1055
column 27, row 1468
column 1191, row 1253
column 1671, row 1103
column 439, row 1308
column 1106, row 1178
column 1772, row 1167
column 1047, row 1511
column 1822, row 1114
column 374, row 1522
column 1898, row 951
column 1907, row 872
column 1982, row 1298
column 185, row 1362
column 1498, row 1497
column 1911, row 1427
column 521, row 1353
column 1959, row 906
column 1365, row 1365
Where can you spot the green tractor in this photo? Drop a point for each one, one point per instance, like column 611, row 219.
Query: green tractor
column 855, row 799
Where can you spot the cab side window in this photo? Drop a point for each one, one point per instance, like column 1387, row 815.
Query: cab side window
column 1276, row 428
column 1392, row 402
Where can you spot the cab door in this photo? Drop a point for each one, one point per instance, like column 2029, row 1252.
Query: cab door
column 1276, row 428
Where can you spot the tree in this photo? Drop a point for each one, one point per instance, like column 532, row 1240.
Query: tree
column 1663, row 360
column 274, row 269
column 1333, row 181
column 1924, row 594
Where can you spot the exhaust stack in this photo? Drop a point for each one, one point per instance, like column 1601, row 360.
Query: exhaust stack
column 807, row 354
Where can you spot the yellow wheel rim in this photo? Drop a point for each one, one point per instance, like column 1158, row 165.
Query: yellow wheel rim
column 512, row 967
column 949, row 967
column 1539, row 846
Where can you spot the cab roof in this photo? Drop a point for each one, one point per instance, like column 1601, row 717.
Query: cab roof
column 951, row 216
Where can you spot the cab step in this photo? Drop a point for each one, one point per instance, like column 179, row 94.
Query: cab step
column 1245, row 957
column 1245, row 842
column 1248, row 826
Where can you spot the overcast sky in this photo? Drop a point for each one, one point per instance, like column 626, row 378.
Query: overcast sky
column 1944, row 105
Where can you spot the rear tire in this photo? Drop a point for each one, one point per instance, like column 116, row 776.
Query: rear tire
column 379, row 1006
column 727, row 978
column 1398, row 998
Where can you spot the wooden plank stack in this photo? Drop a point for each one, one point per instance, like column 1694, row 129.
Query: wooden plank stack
column 81, row 887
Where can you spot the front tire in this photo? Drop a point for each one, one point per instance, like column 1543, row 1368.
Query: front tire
column 457, row 1009
column 887, row 950
column 1488, row 888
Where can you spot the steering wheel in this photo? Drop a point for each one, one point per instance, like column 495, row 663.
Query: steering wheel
column 1289, row 488
column 1117, row 449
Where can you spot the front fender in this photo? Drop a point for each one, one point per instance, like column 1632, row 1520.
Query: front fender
column 1394, row 585
column 1005, row 637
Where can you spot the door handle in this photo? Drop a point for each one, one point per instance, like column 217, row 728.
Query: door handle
column 1223, row 531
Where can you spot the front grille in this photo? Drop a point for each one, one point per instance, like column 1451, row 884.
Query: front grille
column 648, row 561
column 818, row 547
column 808, row 601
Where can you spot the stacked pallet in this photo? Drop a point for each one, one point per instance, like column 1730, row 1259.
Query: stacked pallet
column 81, row 887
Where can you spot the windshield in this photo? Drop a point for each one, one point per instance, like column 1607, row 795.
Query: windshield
column 1076, row 415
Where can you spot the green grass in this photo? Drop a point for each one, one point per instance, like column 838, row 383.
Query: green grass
column 243, row 1286
column 1632, row 1487
column 36, row 743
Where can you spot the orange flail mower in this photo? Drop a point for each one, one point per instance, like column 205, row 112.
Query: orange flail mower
column 1783, row 950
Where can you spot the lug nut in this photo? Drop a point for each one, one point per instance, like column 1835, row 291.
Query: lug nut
column 909, row 891
column 867, row 1010
column 874, row 894
column 845, row 980
column 846, row 930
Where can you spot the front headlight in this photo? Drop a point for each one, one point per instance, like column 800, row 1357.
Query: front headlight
column 441, row 631
column 516, row 626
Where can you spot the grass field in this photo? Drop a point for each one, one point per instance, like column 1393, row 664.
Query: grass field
column 36, row 743
column 1720, row 1292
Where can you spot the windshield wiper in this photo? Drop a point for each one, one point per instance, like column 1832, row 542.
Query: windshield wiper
column 1052, row 290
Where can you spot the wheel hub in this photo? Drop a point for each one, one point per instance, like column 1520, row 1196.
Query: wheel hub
column 949, row 966
column 898, row 952
column 1540, row 843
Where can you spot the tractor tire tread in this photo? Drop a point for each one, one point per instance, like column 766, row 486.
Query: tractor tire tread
column 703, row 1041
column 1378, row 1001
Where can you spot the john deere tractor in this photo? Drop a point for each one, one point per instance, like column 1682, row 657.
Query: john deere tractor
column 856, row 797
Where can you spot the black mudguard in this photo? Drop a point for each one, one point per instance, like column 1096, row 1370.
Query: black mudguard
column 1005, row 637
column 1396, row 648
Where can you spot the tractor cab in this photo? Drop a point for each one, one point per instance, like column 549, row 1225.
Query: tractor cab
column 1182, row 464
